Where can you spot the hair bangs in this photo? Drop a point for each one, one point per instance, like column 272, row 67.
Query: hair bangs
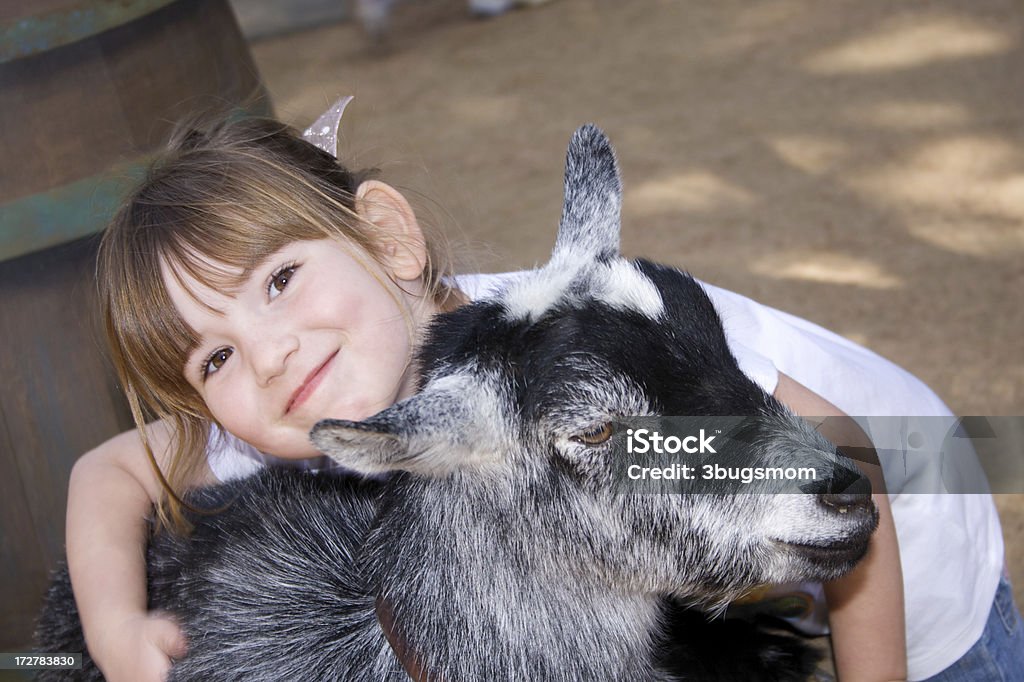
column 154, row 339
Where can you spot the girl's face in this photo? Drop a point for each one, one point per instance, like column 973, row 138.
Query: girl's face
column 310, row 335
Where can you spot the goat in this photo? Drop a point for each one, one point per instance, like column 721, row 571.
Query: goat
column 500, row 541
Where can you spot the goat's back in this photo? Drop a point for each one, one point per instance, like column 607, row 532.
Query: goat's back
column 270, row 588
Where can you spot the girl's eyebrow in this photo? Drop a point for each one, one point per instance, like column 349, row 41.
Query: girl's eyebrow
column 192, row 357
column 197, row 340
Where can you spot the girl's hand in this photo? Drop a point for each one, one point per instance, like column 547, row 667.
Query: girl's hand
column 140, row 649
column 111, row 493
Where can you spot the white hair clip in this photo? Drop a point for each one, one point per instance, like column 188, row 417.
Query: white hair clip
column 324, row 131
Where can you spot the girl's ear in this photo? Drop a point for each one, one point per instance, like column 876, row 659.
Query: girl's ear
column 403, row 246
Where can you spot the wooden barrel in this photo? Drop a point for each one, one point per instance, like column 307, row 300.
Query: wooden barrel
column 88, row 90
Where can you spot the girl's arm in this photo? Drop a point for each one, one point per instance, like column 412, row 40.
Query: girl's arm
column 866, row 610
column 111, row 492
column 865, row 607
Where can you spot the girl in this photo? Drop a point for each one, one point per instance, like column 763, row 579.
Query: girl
column 251, row 286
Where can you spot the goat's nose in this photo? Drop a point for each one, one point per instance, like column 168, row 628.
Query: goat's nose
column 846, row 502
column 845, row 489
column 846, row 480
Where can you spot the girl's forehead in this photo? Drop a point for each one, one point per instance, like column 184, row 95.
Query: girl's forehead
column 210, row 287
column 219, row 264
column 192, row 278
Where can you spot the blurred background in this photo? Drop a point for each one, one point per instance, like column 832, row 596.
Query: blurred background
column 858, row 163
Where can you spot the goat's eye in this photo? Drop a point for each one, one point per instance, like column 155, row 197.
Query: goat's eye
column 595, row 436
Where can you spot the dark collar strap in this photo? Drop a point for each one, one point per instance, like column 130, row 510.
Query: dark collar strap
column 406, row 656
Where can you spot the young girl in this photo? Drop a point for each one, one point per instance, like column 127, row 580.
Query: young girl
column 251, row 287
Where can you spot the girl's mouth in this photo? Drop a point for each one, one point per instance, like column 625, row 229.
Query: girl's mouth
column 310, row 384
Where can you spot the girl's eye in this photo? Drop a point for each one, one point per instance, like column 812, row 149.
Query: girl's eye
column 595, row 436
column 280, row 279
column 215, row 361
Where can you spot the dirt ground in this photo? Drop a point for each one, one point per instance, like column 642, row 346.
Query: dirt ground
column 858, row 163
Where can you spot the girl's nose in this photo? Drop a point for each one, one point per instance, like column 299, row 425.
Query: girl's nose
column 270, row 354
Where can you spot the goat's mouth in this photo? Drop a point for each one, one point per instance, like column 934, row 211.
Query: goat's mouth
column 837, row 554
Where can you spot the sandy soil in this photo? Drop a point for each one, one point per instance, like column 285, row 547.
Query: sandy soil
column 858, row 163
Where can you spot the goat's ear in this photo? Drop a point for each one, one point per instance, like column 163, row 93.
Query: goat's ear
column 444, row 428
column 590, row 221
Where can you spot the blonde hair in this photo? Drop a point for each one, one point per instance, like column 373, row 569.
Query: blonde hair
column 230, row 195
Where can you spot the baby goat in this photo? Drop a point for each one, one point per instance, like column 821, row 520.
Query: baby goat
column 502, row 544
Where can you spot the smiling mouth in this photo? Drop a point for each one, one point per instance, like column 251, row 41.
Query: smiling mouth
column 309, row 384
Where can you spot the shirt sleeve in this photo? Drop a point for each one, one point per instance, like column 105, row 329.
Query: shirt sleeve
column 745, row 333
column 757, row 367
column 231, row 458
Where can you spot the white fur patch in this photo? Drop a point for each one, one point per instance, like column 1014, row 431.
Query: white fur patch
column 627, row 289
column 617, row 284
column 535, row 294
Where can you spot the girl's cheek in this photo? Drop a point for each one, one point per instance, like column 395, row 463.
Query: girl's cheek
column 230, row 408
column 349, row 310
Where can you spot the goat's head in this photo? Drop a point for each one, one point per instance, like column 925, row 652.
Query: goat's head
column 523, row 390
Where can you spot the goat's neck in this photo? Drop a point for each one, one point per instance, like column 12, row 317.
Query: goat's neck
column 468, row 573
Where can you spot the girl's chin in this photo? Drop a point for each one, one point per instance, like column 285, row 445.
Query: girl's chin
column 300, row 453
